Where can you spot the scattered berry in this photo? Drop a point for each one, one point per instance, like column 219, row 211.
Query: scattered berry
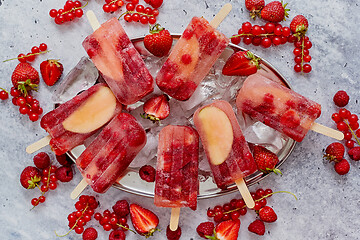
column 30, row 177
column 265, row 160
column 257, row 227
column 341, row 99
column 342, row 167
column 335, row 151
column 299, row 25
column 274, row 11
column 64, row 174
column 147, row 173
column 254, row 6
column 267, row 214
column 90, row 234
column 117, row 235
column 159, row 41
column 121, row 208
column 173, row 235
column 42, row 160
column 354, row 153
column 25, row 78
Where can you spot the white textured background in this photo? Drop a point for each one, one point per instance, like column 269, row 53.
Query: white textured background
column 328, row 205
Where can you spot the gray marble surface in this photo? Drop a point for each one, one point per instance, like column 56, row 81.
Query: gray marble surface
column 328, row 204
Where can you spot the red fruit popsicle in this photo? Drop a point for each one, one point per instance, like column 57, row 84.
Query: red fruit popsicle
column 227, row 151
column 191, row 59
column 70, row 124
column 119, row 62
column 177, row 182
column 277, row 106
column 111, row 152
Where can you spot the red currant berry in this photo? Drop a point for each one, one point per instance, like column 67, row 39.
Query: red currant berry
column 353, row 118
column 21, row 57
column 243, row 211
column 34, row 202
column 87, row 218
column 354, row 125
column 106, row 8
column 298, row 44
column 278, row 31
column 350, row 143
column 305, row 52
column 30, row 57
column 15, row 92
column 218, row 208
column 263, row 202
column 336, row 117
column 79, row 13
column 127, row 17
column 140, row 8
column 4, row 95
column 226, row 207
column 210, row 213
column 257, row 206
column 59, row 19
column 130, row 7
column 35, row 49
column 276, row 41
column 344, row 113
column 218, row 216
column 152, row 20
column 71, row 217
column 98, row 216
column 44, row 188
column 267, row 192
column 246, row 27
column 235, row 215
column 77, row 4
column 240, row 203
column 297, row 51
column 69, row 5
column 33, row 117
column 260, row 192
column 307, row 44
column 155, row 12
column 256, row 41
column 357, row 133
column 24, row 110
column 286, row 31
column 122, row 220
column 43, row 47
column 69, row 16
column 113, row 7
column 235, row 40
column 269, row 27
column 53, row 13
column 292, row 39
column 79, row 206
column 297, row 68
column 79, row 229
column 256, row 30
column 226, row 217
column 307, row 68
column 135, row 17
column 52, row 186
column 307, row 58
column 341, row 126
column 266, row 42
column 81, row 222
column 148, row 11
column 247, row 40
column 144, row 19
column 297, row 59
column 347, row 136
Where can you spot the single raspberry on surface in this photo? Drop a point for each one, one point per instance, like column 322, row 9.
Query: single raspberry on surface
column 354, row 153
column 121, row 208
column 342, row 167
column 117, row 235
column 257, row 227
column 64, row 160
column 267, row 214
column 205, row 229
column 64, row 174
column 341, row 99
column 147, row 173
column 42, row 160
column 173, row 235
column 90, row 234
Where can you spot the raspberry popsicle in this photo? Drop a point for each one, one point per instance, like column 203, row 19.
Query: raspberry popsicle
column 111, row 152
column 281, row 108
column 70, row 124
column 192, row 57
column 119, row 62
column 177, row 182
column 227, row 151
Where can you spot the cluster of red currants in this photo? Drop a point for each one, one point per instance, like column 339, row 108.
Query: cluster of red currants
column 136, row 12
column 110, row 220
column 28, row 105
column 48, row 181
column 302, row 56
column 32, row 55
column 71, row 10
column 236, row 207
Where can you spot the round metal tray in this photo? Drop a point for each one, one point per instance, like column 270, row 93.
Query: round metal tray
column 131, row 182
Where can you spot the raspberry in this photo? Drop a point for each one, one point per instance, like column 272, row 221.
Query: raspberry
column 64, row 160
column 342, row 167
column 90, row 234
column 173, row 235
column 341, row 99
column 147, row 173
column 205, row 229
column 42, row 160
column 64, row 174
column 257, row 227
column 121, row 208
column 354, row 153
column 117, row 235
column 267, row 214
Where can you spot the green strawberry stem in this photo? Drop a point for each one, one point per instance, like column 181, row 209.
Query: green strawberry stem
column 125, row 228
column 73, row 9
column 257, row 200
column 144, row 14
column 212, row 237
column 23, row 86
column 352, row 132
column 87, row 205
column 156, row 28
column 32, row 54
column 150, row 117
column 254, row 60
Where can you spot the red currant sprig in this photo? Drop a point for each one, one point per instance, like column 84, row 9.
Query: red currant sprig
column 111, row 6
column 347, row 123
column 71, row 10
column 32, row 55
column 27, row 104
column 85, row 209
column 109, row 220
column 302, row 56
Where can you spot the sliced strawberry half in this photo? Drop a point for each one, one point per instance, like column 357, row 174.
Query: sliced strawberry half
column 156, row 108
column 51, row 71
column 228, row 230
column 241, row 63
column 143, row 220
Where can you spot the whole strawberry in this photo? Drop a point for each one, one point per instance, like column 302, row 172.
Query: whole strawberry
column 265, row 160
column 341, row 98
column 159, row 41
column 241, row 63
column 51, row 71
column 342, row 167
column 335, row 151
column 354, row 153
column 205, row 229
column 275, row 12
column 257, row 227
column 299, row 25
column 25, row 78
column 254, row 6
column 267, row 214
column 29, row 177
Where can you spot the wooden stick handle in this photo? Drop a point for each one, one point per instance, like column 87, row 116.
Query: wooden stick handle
column 92, row 20
column 38, row 145
column 244, row 191
column 78, row 189
column 174, row 219
column 221, row 15
column 316, row 127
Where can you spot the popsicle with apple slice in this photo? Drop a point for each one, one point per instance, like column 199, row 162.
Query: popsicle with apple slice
column 71, row 123
column 226, row 149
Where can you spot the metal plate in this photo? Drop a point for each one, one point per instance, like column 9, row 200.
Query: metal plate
column 131, row 182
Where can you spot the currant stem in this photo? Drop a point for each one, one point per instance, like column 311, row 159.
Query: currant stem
column 73, row 9
column 82, row 213
column 31, row 54
column 144, row 14
column 302, row 52
column 352, row 132
column 125, row 228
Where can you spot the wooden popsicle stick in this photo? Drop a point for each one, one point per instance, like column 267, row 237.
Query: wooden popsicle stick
column 38, row 145
column 92, row 20
column 224, row 11
column 78, row 189
column 174, row 219
column 244, row 191
column 316, row 127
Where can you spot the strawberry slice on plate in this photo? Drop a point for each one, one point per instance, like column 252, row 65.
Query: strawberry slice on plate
column 143, row 220
column 51, row 71
column 156, row 108
column 241, row 63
